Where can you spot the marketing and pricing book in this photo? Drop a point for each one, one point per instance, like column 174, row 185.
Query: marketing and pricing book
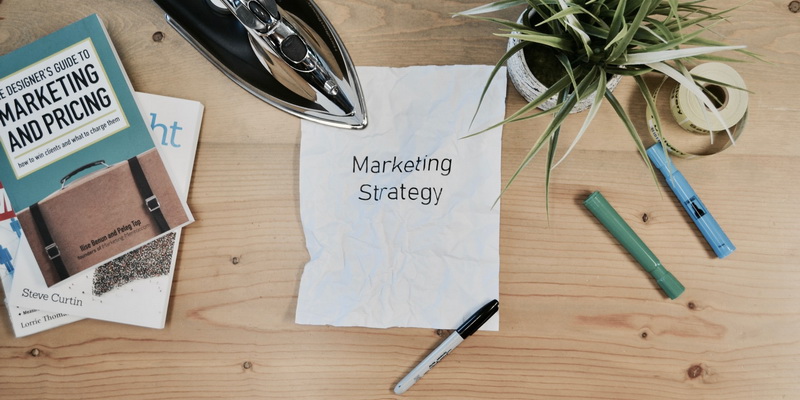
column 135, row 287
column 78, row 163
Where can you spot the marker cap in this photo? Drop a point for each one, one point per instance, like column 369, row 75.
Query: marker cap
column 657, row 156
column 480, row 317
column 669, row 284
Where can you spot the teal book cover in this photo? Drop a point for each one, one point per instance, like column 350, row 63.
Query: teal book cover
column 78, row 162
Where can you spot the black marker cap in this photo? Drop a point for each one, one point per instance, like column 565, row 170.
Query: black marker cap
column 474, row 322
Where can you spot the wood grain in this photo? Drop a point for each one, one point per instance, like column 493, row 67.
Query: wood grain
column 579, row 319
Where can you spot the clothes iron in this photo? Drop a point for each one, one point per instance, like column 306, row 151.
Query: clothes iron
column 284, row 52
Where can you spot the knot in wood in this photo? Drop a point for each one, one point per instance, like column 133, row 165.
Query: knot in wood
column 695, row 371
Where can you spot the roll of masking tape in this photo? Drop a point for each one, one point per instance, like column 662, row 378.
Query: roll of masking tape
column 692, row 115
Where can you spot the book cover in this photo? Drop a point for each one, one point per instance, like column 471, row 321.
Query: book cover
column 78, row 163
column 24, row 322
column 135, row 287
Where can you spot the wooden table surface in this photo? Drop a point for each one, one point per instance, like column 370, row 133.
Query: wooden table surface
column 580, row 319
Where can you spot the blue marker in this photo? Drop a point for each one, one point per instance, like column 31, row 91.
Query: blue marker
column 691, row 203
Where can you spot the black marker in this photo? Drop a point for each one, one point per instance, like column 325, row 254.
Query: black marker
column 466, row 329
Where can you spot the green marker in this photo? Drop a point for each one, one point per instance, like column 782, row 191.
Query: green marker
column 609, row 217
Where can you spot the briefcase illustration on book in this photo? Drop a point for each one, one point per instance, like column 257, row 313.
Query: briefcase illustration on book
column 96, row 217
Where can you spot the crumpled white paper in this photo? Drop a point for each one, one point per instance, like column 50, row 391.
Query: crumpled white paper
column 400, row 218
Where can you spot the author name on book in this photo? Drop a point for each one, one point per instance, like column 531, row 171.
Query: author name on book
column 54, row 297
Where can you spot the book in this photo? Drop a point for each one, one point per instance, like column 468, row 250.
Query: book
column 78, row 163
column 130, row 289
column 24, row 322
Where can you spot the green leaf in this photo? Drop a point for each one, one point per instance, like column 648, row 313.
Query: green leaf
column 618, row 22
column 673, row 43
column 561, row 15
column 718, row 83
column 564, row 60
column 541, row 38
column 496, row 68
column 660, row 56
column 634, row 26
column 600, row 91
column 551, row 152
column 558, row 119
column 573, row 25
column 573, row 9
column 631, row 70
column 562, row 83
column 632, row 131
column 620, row 36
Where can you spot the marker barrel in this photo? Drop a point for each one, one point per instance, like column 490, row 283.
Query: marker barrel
column 697, row 211
column 428, row 362
column 609, row 217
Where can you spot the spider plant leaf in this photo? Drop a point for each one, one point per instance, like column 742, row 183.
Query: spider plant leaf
column 718, row 83
column 659, row 31
column 574, row 26
column 571, row 10
column 628, row 71
column 558, row 119
column 541, row 38
column 560, row 15
column 600, row 91
column 632, row 131
column 564, row 60
column 517, row 119
column 547, row 94
column 651, row 104
column 705, row 16
column 513, row 50
column 689, row 84
column 621, row 35
column 551, row 152
column 535, row 115
column 654, row 35
column 711, row 57
column 673, row 13
column 708, row 42
column 665, row 55
column 622, row 45
column 673, row 43
column 618, row 21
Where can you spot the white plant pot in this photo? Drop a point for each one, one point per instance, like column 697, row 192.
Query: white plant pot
column 530, row 88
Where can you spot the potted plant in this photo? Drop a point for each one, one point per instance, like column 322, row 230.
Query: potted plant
column 577, row 47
